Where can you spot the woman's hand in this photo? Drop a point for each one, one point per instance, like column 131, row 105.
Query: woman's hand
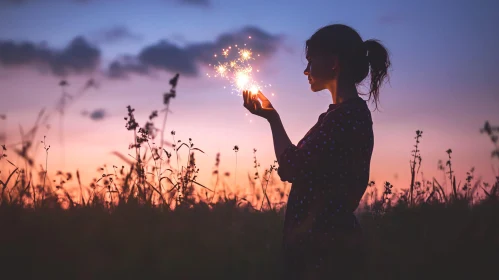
column 258, row 105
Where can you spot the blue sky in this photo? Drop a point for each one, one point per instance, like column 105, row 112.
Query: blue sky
column 443, row 81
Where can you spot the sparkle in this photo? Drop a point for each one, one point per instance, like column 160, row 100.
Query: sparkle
column 235, row 65
column 245, row 54
column 242, row 79
column 254, row 89
column 221, row 69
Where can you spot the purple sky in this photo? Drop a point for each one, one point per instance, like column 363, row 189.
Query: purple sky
column 443, row 81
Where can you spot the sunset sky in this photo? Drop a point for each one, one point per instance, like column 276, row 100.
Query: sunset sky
column 443, row 81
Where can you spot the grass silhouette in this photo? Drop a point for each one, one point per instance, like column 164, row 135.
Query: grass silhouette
column 154, row 219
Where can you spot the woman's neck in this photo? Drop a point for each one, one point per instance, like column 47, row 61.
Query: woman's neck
column 341, row 92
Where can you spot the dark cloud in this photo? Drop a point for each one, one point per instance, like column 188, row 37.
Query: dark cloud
column 115, row 34
column 78, row 57
column 96, row 115
column 185, row 60
column 125, row 65
column 169, row 57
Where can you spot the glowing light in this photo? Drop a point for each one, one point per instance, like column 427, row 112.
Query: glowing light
column 254, row 89
column 245, row 55
column 242, row 80
column 221, row 70
column 235, row 65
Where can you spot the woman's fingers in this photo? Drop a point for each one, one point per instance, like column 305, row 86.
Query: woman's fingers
column 258, row 105
column 248, row 104
column 245, row 97
column 248, row 97
column 252, row 103
column 263, row 97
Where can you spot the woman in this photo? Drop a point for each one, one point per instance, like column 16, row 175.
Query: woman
column 329, row 167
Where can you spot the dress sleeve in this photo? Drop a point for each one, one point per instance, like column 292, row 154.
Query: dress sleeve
column 320, row 149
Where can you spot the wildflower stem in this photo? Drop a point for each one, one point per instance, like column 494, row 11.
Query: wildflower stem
column 164, row 125
column 235, row 174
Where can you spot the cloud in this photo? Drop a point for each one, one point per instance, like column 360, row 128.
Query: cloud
column 82, row 57
column 78, row 57
column 96, row 115
column 168, row 56
column 114, row 35
column 126, row 65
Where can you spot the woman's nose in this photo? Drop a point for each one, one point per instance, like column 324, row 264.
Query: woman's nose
column 306, row 71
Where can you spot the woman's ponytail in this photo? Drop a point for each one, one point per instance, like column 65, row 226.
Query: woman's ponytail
column 379, row 62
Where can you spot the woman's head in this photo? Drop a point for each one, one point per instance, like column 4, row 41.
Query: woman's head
column 337, row 54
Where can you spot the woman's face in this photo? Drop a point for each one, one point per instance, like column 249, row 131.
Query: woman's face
column 319, row 71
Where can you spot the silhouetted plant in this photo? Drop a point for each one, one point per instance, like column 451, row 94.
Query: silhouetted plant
column 235, row 149
column 416, row 161
column 124, row 205
column 452, row 178
column 493, row 133
column 166, row 102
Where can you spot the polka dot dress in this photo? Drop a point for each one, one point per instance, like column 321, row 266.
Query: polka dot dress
column 329, row 172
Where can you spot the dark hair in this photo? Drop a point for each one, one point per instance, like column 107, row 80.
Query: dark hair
column 356, row 58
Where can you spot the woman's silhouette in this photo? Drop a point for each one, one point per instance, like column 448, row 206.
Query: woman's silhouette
column 329, row 167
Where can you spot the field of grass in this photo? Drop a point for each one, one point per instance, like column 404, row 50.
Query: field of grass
column 154, row 220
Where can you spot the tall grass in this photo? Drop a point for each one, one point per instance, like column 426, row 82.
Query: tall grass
column 152, row 218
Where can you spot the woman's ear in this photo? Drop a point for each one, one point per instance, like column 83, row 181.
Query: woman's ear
column 334, row 62
column 334, row 66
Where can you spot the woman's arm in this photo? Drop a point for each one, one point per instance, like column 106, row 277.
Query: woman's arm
column 281, row 139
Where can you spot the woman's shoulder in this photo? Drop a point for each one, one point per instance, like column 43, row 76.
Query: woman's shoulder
column 350, row 110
